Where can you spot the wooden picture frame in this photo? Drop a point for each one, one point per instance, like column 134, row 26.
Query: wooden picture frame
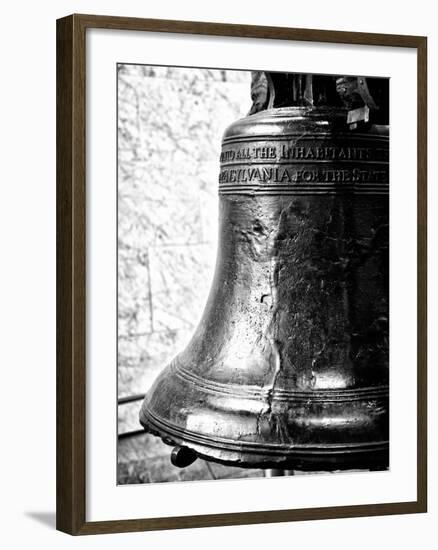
column 71, row 273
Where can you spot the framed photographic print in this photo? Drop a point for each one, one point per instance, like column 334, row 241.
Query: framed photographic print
column 241, row 274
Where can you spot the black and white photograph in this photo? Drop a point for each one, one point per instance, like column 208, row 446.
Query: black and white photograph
column 218, row 282
column 252, row 274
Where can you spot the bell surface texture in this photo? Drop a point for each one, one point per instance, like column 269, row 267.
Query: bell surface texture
column 288, row 367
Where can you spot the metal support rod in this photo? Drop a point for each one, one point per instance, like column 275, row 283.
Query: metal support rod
column 276, row 472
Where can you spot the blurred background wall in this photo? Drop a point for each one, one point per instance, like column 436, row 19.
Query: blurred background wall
column 170, row 126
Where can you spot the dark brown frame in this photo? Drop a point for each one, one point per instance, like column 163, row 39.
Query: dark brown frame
column 71, row 266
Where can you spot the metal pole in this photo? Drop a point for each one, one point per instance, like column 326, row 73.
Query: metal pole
column 276, row 472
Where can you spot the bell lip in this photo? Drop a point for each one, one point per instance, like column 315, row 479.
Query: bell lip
column 364, row 446
column 323, row 458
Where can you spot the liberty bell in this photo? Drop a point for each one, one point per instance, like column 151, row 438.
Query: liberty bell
column 288, row 368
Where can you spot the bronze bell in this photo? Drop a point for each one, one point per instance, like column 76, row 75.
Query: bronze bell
column 288, row 367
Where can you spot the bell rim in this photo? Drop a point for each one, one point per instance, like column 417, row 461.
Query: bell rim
column 324, row 457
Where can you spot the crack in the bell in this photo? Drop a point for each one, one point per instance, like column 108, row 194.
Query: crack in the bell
column 271, row 333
